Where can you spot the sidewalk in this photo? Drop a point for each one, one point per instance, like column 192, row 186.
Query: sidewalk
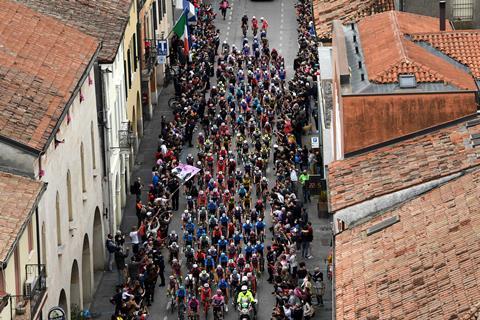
column 320, row 248
column 142, row 168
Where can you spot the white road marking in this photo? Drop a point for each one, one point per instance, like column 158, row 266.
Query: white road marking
column 228, row 28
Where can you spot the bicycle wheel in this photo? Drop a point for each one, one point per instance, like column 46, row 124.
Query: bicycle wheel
column 173, row 103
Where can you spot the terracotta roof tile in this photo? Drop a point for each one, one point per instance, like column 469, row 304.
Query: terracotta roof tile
column 17, row 198
column 461, row 45
column 422, row 267
column 103, row 19
column 38, row 71
column 388, row 53
column 326, row 11
column 417, row 160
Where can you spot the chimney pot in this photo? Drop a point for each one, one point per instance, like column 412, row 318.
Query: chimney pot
column 442, row 6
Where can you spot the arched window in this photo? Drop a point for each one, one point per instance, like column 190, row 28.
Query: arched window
column 92, row 143
column 82, row 164
column 69, row 196
column 59, row 221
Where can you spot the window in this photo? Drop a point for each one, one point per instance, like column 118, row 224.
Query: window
column 18, row 270
column 125, row 78
column 164, row 7
column 154, row 15
column 92, row 143
column 2, row 281
column 58, row 218
column 462, row 10
column 82, row 164
column 160, row 11
column 69, row 196
column 135, row 55
column 129, row 69
column 30, row 236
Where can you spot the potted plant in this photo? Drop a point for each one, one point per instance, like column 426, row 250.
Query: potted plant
column 322, row 206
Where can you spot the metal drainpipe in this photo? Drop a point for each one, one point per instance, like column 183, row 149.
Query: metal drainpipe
column 106, row 146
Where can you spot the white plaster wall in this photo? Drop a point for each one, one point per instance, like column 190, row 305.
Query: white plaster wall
column 56, row 162
column 116, row 113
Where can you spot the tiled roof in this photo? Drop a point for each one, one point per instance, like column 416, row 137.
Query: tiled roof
column 103, row 19
column 18, row 195
column 461, row 45
column 401, row 165
column 423, row 267
column 325, row 11
column 41, row 62
column 388, row 53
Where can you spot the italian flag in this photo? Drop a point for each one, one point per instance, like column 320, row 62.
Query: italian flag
column 181, row 30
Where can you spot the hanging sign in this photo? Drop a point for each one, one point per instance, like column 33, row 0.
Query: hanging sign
column 162, row 51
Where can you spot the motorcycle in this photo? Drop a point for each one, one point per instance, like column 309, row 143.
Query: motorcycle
column 246, row 312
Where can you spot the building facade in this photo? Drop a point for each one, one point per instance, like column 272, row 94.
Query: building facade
column 464, row 14
column 379, row 96
column 22, row 275
column 50, row 133
column 132, row 79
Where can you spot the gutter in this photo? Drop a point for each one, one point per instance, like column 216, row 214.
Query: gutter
column 72, row 96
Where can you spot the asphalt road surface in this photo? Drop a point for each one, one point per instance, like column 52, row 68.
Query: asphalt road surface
column 282, row 36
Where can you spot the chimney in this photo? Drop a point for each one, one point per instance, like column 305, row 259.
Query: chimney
column 442, row 5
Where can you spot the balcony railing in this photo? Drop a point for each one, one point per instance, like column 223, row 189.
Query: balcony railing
column 150, row 57
column 35, row 286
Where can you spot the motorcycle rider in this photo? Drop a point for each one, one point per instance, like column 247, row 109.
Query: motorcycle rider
column 246, row 295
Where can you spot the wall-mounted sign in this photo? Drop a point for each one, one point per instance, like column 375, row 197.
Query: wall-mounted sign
column 56, row 313
column 315, row 142
column 162, row 51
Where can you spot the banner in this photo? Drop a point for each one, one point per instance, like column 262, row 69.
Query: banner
column 185, row 172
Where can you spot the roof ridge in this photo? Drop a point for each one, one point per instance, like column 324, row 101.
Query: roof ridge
column 445, row 32
column 398, row 34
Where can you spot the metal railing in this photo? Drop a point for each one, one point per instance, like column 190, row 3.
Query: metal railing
column 39, row 287
column 150, row 56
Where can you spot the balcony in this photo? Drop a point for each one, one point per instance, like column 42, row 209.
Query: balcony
column 34, row 290
column 150, row 59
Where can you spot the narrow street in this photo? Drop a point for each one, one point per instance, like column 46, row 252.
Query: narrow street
column 282, row 35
